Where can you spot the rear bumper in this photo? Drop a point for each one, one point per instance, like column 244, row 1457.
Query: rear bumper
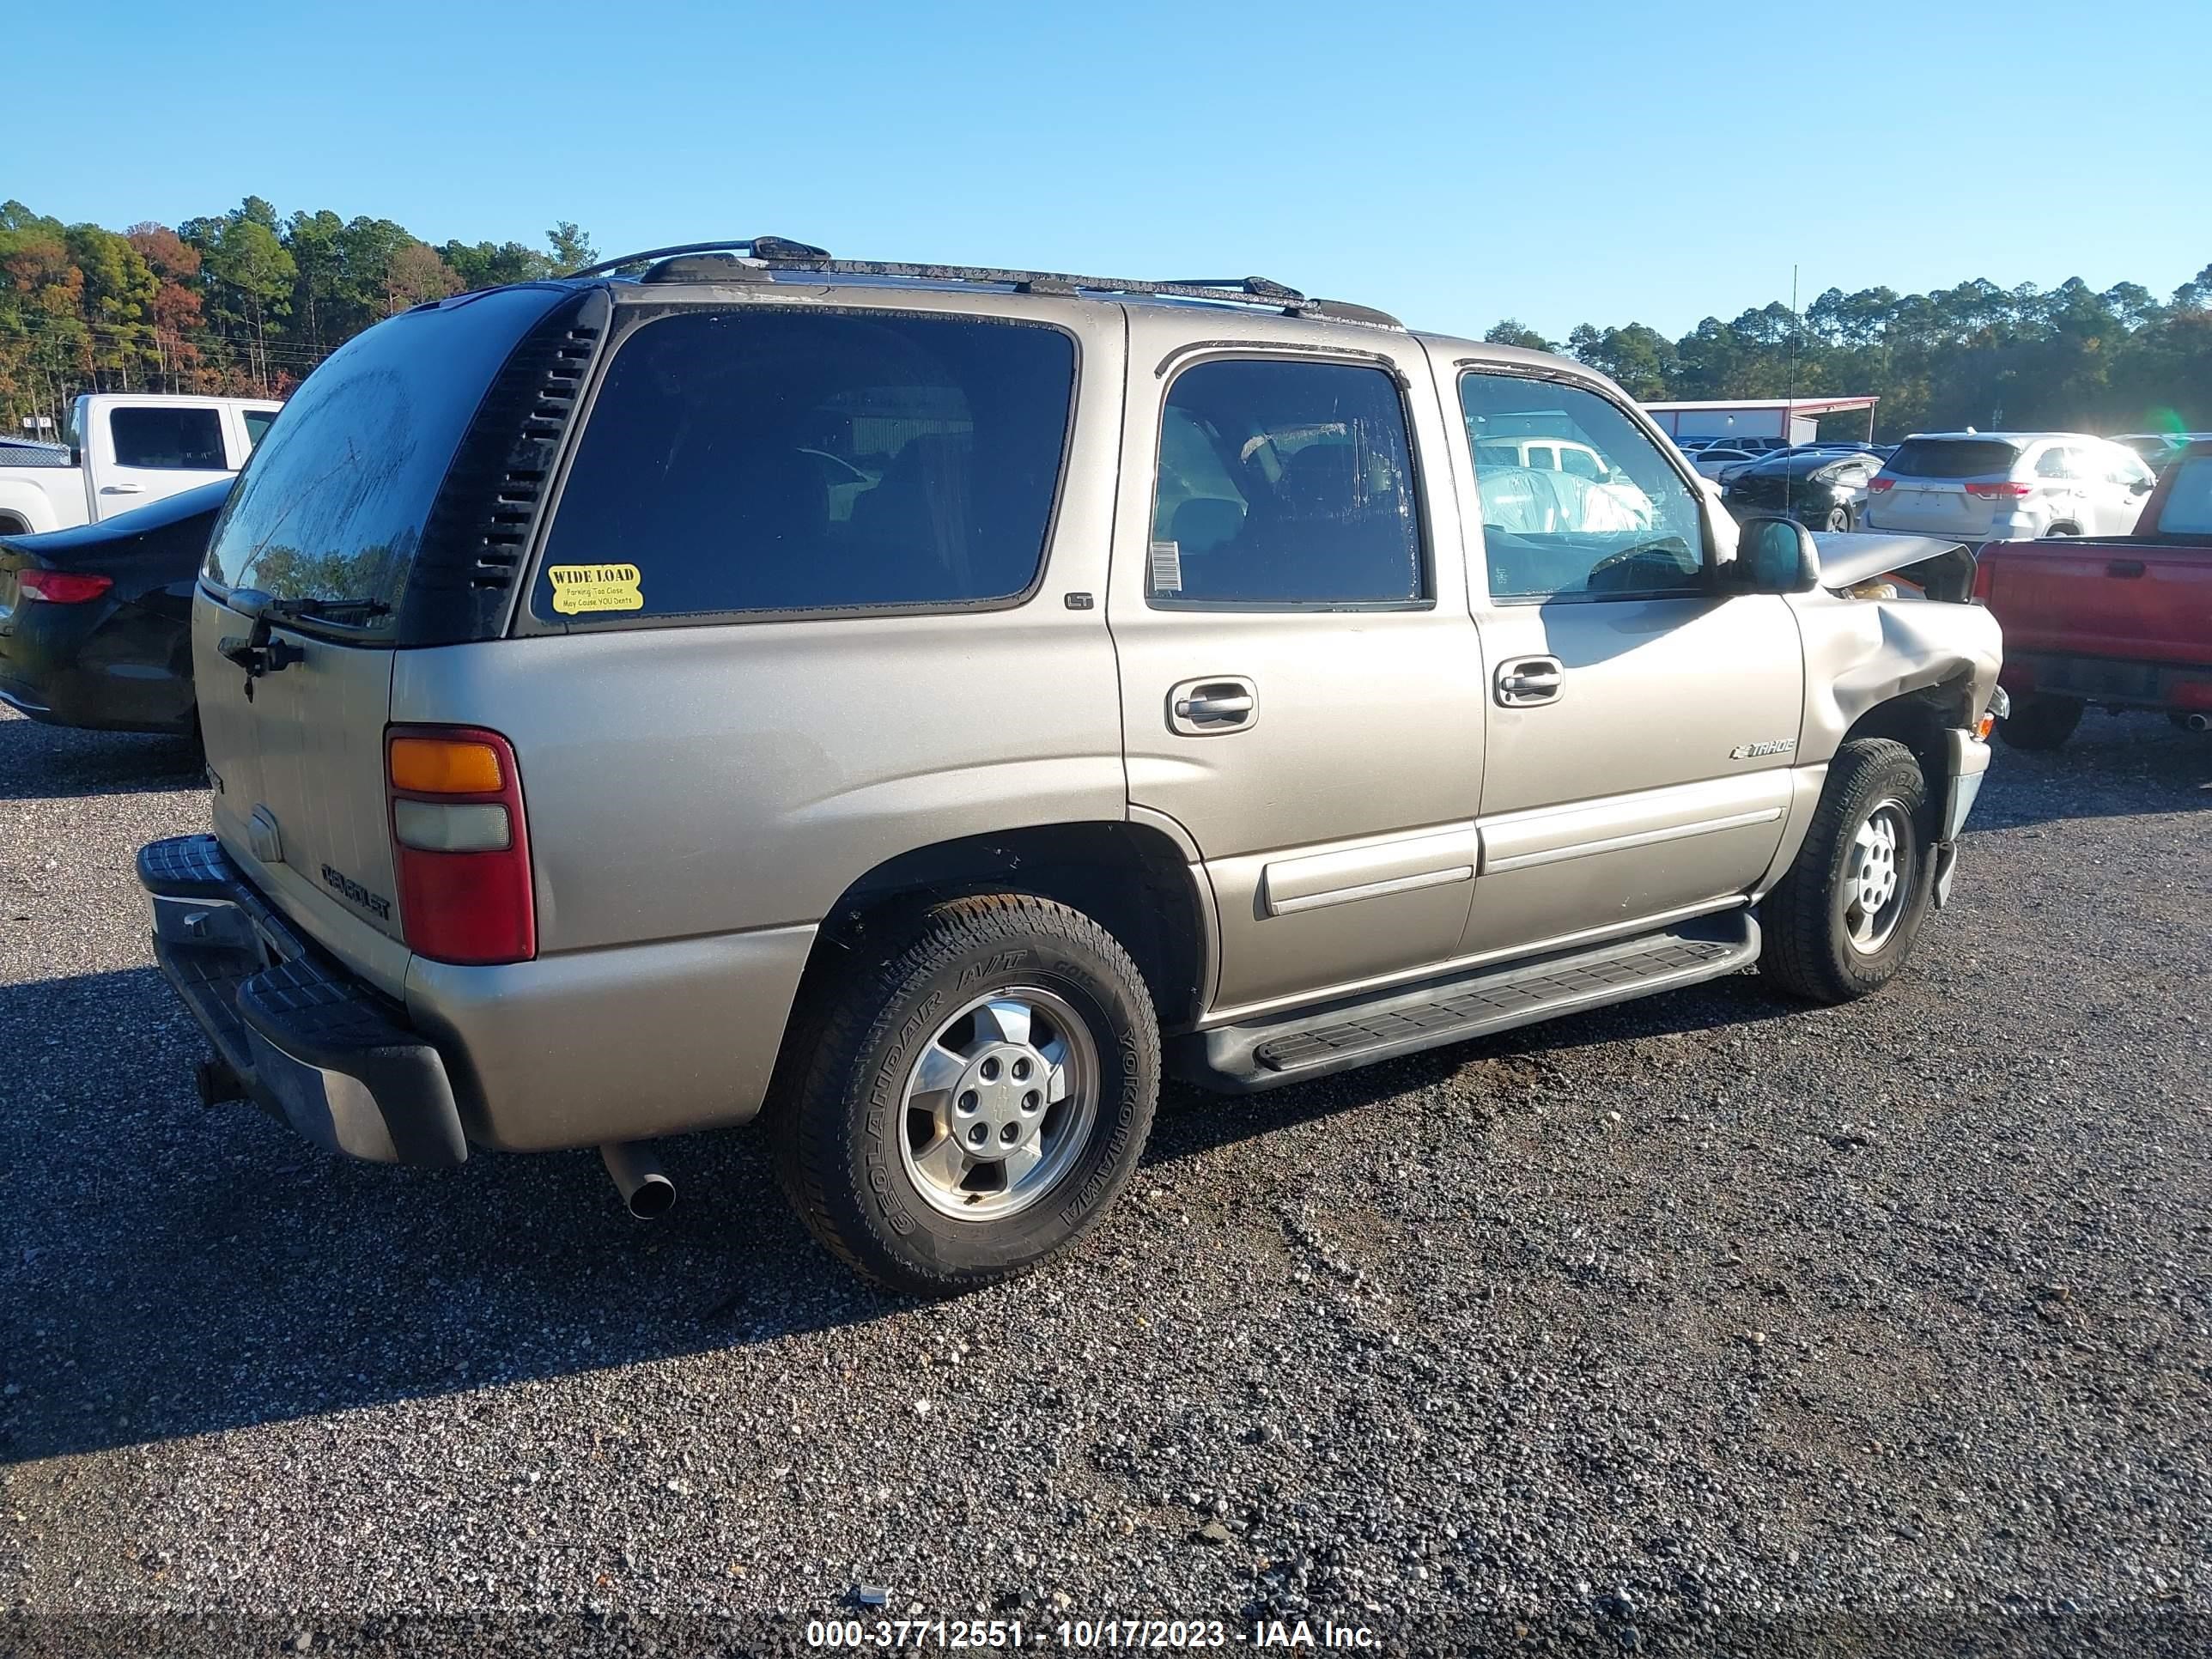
column 311, row 1042
column 2113, row 682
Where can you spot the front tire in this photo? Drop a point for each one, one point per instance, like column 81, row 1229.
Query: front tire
column 2040, row 721
column 1839, row 518
column 1840, row 923
column 977, row 1097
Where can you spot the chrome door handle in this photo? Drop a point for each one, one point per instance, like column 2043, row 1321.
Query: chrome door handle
column 123, row 489
column 1528, row 680
column 1214, row 709
column 1201, row 707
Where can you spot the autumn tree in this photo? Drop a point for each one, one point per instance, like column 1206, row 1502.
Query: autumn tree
column 417, row 274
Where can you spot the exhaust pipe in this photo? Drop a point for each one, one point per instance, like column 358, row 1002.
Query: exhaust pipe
column 2198, row 722
column 648, row 1192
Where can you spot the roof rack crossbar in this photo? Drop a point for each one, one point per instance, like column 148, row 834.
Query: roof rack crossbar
column 779, row 253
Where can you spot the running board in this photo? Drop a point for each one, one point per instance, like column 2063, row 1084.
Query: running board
column 1313, row 1043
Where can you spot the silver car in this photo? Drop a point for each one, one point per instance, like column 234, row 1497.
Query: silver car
column 919, row 707
column 2008, row 486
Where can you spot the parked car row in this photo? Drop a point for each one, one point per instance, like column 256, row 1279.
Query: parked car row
column 1821, row 488
column 2008, row 486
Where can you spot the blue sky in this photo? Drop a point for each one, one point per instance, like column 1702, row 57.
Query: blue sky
column 1455, row 163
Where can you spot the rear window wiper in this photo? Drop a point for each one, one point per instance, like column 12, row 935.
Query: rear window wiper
column 333, row 610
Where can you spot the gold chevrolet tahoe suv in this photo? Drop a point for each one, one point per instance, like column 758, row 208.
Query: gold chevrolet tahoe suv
column 920, row 706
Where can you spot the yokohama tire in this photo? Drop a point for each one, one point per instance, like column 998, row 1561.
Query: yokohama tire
column 1809, row 949
column 840, row 1129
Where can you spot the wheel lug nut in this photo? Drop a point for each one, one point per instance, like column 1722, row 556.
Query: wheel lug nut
column 1031, row 1101
column 968, row 1101
column 990, row 1070
column 1011, row 1133
column 1021, row 1070
column 978, row 1135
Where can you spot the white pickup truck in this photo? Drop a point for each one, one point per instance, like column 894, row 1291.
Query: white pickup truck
column 125, row 451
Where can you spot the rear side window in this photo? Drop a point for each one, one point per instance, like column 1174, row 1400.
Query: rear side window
column 168, row 440
column 257, row 426
column 332, row 505
column 1285, row 484
column 787, row 460
column 1952, row 458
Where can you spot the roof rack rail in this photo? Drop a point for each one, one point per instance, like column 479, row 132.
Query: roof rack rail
column 763, row 248
column 781, row 253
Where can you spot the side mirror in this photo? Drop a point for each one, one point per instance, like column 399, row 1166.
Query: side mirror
column 1774, row 554
column 2140, row 487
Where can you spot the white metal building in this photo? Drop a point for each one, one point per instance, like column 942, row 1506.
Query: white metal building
column 1796, row 419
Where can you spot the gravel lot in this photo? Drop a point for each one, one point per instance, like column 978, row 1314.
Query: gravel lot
column 1701, row 1325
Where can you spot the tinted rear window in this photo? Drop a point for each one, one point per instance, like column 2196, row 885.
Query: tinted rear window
column 1952, row 458
column 332, row 504
column 787, row 460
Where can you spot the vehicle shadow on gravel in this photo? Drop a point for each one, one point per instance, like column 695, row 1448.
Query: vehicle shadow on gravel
column 171, row 1269
column 54, row 762
column 1192, row 1122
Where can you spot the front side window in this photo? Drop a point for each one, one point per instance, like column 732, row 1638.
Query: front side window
column 802, row 460
column 1634, row 531
column 168, row 440
column 257, row 426
column 1285, row 484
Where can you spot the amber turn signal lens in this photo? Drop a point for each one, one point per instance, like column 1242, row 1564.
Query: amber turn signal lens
column 1984, row 726
column 439, row 766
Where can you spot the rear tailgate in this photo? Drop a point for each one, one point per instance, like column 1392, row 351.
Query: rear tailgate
column 2138, row 601
column 355, row 488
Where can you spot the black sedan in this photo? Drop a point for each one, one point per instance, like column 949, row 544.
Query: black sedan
column 1820, row 490
column 95, row 623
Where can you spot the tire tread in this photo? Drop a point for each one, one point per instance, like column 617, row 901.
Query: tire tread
column 855, row 1012
column 1798, row 952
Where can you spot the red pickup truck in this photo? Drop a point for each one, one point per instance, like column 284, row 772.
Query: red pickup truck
column 2123, row 620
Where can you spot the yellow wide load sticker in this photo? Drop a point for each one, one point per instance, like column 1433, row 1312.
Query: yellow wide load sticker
column 580, row 587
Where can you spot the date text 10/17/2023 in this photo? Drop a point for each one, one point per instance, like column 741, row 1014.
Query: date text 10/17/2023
column 1089, row 1634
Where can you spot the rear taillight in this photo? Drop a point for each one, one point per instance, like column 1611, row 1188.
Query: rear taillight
column 2000, row 492
column 459, row 844
column 61, row 586
column 1880, row 486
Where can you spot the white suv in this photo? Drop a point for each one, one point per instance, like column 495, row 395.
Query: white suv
column 2008, row 486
